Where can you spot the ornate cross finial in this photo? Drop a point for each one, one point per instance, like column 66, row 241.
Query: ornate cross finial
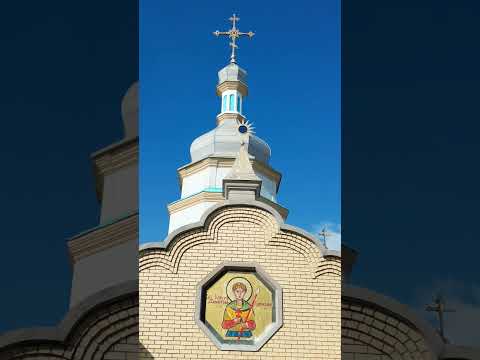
column 233, row 34
column 439, row 307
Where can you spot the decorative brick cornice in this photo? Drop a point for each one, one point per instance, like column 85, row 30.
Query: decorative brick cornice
column 193, row 168
column 104, row 237
column 113, row 158
column 169, row 253
column 232, row 85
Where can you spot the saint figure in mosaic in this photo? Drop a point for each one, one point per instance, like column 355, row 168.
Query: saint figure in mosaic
column 238, row 317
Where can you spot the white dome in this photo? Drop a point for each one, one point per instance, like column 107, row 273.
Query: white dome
column 130, row 111
column 224, row 141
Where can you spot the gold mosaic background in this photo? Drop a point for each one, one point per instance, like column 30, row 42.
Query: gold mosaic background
column 217, row 300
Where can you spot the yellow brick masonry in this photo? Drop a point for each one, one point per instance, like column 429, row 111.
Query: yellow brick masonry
column 311, row 289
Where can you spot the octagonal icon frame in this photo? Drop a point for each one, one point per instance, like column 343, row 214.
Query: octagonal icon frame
column 262, row 276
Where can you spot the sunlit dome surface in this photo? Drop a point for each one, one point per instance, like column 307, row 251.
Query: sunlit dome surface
column 224, row 140
column 232, row 72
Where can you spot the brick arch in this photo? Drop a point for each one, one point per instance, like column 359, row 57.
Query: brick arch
column 305, row 246
column 87, row 332
column 329, row 266
column 117, row 345
column 105, row 327
column 171, row 275
column 126, row 347
column 381, row 346
column 376, row 327
column 169, row 254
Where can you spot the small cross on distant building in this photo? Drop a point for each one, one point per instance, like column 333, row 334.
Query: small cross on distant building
column 439, row 307
column 324, row 235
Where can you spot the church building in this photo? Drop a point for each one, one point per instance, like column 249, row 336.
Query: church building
column 233, row 280
column 102, row 318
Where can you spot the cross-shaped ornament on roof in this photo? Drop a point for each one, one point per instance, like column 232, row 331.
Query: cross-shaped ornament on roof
column 324, row 235
column 439, row 307
column 234, row 34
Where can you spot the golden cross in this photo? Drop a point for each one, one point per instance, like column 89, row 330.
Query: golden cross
column 233, row 34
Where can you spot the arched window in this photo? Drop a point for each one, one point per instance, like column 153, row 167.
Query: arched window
column 224, row 103
column 239, row 105
column 232, row 103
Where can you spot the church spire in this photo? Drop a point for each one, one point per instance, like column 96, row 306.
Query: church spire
column 232, row 86
column 227, row 162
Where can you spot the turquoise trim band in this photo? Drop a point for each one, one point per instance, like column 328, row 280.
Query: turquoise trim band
column 213, row 189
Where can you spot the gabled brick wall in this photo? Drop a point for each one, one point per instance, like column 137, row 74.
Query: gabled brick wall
column 311, row 287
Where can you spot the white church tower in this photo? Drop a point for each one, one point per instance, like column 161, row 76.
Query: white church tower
column 213, row 153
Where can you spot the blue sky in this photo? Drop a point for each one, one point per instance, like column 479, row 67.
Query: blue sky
column 293, row 66
column 61, row 95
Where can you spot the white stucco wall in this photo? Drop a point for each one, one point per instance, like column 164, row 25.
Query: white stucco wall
column 212, row 177
column 197, row 182
column 120, row 194
column 220, row 175
column 188, row 215
column 269, row 187
column 104, row 269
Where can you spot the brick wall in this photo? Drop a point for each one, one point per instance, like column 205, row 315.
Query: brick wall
column 371, row 333
column 109, row 331
column 125, row 349
column 311, row 288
